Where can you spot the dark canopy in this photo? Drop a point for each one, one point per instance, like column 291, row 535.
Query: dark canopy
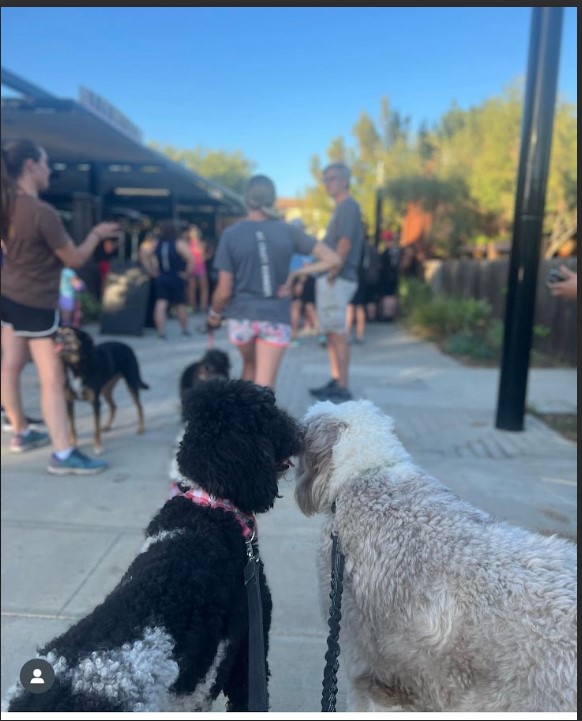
column 89, row 154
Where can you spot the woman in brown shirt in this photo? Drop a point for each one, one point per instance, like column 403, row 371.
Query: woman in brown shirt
column 36, row 247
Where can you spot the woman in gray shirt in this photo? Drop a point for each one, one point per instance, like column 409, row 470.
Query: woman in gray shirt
column 252, row 260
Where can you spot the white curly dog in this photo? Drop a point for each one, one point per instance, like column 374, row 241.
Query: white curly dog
column 444, row 608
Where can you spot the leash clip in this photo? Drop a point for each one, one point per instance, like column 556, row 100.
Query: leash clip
column 250, row 548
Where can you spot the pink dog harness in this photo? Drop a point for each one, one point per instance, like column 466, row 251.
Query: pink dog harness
column 247, row 522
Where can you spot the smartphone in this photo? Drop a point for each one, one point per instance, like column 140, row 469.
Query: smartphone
column 554, row 276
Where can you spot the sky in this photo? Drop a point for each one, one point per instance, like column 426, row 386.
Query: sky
column 277, row 84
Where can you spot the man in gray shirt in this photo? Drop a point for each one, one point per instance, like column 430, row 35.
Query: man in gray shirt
column 333, row 292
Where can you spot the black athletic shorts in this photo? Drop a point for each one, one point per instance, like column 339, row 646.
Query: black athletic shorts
column 27, row 321
column 308, row 295
column 171, row 288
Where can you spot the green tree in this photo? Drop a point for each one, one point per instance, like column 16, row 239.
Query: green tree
column 560, row 221
column 230, row 169
column 472, row 161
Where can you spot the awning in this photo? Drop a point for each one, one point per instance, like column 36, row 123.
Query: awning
column 83, row 146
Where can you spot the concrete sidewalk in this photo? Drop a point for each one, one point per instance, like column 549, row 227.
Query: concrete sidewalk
column 67, row 541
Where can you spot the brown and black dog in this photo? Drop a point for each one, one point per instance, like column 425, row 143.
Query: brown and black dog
column 92, row 371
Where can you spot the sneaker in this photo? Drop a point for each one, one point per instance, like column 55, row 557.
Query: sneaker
column 324, row 390
column 338, row 395
column 33, row 439
column 35, row 424
column 76, row 464
column 295, row 343
column 322, row 340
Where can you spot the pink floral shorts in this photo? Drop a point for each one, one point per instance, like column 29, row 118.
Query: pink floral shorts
column 241, row 332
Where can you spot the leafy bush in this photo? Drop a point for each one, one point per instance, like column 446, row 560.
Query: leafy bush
column 464, row 326
column 413, row 293
column 443, row 316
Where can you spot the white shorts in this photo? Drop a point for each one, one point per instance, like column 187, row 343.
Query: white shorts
column 331, row 300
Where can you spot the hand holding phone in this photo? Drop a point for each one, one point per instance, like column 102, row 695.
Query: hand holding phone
column 554, row 276
column 563, row 283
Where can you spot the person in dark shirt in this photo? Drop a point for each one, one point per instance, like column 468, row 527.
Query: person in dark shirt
column 172, row 265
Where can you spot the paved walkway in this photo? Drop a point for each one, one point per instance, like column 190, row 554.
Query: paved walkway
column 67, row 541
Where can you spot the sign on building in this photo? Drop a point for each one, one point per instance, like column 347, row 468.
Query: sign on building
column 101, row 107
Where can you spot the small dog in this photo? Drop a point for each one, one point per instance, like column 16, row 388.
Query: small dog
column 444, row 608
column 213, row 364
column 92, row 371
column 175, row 629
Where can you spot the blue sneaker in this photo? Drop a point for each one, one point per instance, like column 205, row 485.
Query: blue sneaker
column 77, row 464
column 20, row 443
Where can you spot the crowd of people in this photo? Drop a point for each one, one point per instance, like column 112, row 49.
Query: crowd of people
column 268, row 278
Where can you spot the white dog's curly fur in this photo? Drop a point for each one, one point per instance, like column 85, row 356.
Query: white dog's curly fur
column 444, row 608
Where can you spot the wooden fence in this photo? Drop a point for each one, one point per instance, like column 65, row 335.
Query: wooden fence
column 487, row 279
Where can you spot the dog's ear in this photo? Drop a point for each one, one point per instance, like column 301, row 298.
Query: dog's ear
column 236, row 442
column 219, row 361
column 312, row 491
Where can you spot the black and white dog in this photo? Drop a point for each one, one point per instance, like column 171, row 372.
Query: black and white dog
column 175, row 629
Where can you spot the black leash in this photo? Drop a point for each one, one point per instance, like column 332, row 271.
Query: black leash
column 258, row 694
column 333, row 649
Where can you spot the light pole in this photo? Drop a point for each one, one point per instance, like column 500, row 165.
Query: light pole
column 534, row 158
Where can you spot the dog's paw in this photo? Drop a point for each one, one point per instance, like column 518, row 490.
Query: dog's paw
column 140, row 431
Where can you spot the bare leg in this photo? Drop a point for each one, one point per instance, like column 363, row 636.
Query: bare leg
column 295, row 316
column 160, row 315
column 268, row 360
column 311, row 316
column 182, row 317
column 52, row 391
column 360, row 322
column 70, row 405
column 349, row 318
column 388, row 306
column 204, row 292
column 192, row 293
column 371, row 311
column 338, row 351
column 14, row 358
column 247, row 352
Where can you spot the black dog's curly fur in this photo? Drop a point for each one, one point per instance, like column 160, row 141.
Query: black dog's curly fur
column 177, row 623
column 214, row 363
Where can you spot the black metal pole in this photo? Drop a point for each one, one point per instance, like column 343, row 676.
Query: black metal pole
column 536, row 138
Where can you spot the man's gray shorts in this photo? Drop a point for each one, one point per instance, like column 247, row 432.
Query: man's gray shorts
column 331, row 300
